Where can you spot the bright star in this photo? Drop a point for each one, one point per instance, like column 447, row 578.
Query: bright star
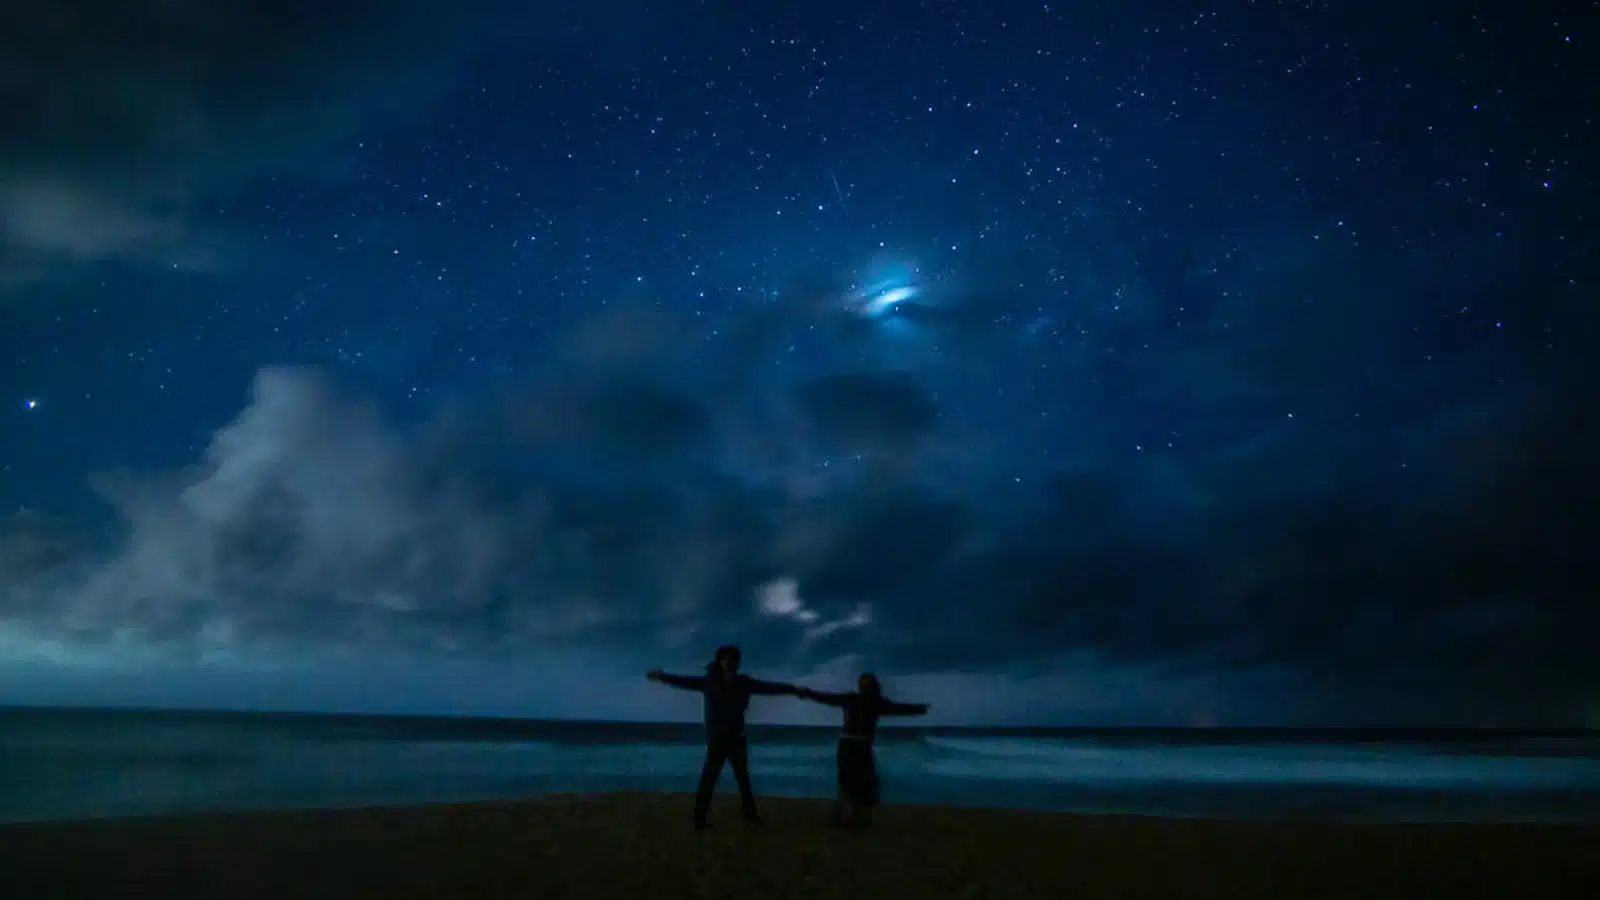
column 30, row 403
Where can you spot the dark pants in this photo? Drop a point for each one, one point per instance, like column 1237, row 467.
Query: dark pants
column 719, row 749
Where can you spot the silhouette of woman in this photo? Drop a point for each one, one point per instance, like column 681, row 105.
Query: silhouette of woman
column 858, row 765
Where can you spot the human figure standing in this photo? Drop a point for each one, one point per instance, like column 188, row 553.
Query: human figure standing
column 858, row 765
column 727, row 695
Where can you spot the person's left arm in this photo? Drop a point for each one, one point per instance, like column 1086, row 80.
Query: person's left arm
column 770, row 688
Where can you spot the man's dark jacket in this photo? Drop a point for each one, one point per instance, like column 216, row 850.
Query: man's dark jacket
column 726, row 699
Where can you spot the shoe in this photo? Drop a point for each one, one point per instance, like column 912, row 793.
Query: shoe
column 752, row 820
column 702, row 826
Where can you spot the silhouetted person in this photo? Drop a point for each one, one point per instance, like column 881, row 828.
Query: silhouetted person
column 858, row 765
column 727, row 696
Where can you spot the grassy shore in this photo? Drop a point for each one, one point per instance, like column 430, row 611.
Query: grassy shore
column 640, row 846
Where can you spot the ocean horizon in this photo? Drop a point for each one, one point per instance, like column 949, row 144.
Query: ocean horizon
column 75, row 763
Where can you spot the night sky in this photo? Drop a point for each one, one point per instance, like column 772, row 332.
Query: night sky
column 1104, row 363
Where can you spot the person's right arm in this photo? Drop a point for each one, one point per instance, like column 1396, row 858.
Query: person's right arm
column 682, row 682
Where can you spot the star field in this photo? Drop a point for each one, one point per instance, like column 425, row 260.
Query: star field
column 1236, row 301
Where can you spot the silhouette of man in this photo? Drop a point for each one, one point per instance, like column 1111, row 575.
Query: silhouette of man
column 727, row 695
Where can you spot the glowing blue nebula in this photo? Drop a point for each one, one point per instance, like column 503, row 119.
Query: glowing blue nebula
column 890, row 283
column 885, row 300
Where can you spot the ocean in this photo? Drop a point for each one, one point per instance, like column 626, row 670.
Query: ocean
column 72, row 764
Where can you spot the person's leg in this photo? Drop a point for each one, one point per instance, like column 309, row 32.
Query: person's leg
column 739, row 758
column 851, row 771
column 716, row 753
column 841, row 805
column 870, row 786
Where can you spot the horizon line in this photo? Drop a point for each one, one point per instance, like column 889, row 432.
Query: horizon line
column 483, row 718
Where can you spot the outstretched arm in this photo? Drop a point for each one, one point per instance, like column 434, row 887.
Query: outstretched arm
column 825, row 698
column 682, row 682
column 770, row 688
column 891, row 708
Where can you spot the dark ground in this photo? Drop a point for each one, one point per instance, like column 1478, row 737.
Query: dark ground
column 640, row 846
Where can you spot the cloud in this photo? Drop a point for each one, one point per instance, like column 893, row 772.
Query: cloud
column 32, row 543
column 126, row 123
column 645, row 504
column 623, row 413
column 780, row 598
column 307, row 512
column 862, row 412
column 48, row 223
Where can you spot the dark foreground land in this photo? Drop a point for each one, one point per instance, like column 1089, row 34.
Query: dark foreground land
column 639, row 846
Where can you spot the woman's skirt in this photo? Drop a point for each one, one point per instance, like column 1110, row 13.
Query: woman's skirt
column 858, row 772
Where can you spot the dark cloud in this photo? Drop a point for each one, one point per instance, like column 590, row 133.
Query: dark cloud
column 861, row 412
column 620, row 412
column 866, row 546
column 625, row 336
column 612, row 510
column 122, row 119
column 312, row 522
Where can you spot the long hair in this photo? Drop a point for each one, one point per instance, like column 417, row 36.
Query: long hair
column 726, row 651
column 869, row 685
